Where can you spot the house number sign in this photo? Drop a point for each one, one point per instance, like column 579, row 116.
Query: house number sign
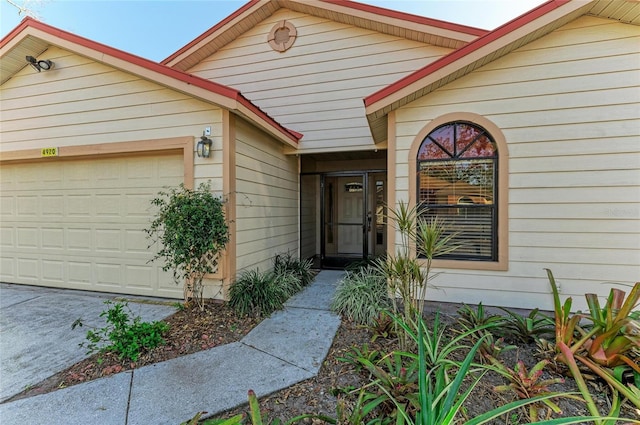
column 49, row 152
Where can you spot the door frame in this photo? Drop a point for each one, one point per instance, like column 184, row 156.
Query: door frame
column 366, row 227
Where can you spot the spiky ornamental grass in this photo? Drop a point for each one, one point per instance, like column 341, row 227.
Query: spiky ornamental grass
column 289, row 263
column 361, row 296
column 257, row 293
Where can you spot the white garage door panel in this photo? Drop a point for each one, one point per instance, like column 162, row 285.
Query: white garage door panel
column 80, row 223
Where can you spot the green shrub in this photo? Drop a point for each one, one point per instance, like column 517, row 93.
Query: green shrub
column 189, row 227
column 287, row 263
column 257, row 294
column 361, row 296
column 126, row 337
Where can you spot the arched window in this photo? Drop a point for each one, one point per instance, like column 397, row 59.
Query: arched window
column 457, row 172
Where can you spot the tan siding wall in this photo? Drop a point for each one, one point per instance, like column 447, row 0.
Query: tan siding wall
column 266, row 197
column 310, row 216
column 568, row 107
column 84, row 102
column 317, row 86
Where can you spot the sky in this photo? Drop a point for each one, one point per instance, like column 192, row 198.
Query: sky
column 154, row 29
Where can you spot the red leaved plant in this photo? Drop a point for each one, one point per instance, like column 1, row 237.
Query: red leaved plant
column 611, row 340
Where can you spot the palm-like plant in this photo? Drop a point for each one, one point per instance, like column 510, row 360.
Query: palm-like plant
column 408, row 271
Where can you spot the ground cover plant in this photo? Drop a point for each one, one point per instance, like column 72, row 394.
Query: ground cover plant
column 361, row 296
column 123, row 335
column 350, row 392
column 468, row 365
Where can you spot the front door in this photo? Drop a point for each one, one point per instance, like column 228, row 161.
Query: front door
column 350, row 199
column 344, row 219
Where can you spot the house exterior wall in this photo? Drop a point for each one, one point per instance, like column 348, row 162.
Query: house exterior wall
column 92, row 111
column 267, row 203
column 82, row 102
column 567, row 105
column 317, row 86
column 309, row 216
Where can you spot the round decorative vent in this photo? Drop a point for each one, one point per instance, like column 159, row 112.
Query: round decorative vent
column 282, row 36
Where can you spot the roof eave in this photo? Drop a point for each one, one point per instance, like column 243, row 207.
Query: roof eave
column 257, row 10
column 503, row 39
column 208, row 91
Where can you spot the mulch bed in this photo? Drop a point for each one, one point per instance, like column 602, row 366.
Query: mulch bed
column 192, row 331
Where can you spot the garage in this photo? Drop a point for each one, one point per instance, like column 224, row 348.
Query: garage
column 79, row 223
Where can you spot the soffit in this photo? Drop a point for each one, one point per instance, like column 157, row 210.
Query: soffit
column 32, row 38
column 416, row 28
column 625, row 11
column 15, row 59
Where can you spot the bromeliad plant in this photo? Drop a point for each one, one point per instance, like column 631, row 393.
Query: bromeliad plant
column 441, row 393
column 470, row 318
column 480, row 325
column 614, row 332
column 527, row 384
column 527, row 328
column 609, row 342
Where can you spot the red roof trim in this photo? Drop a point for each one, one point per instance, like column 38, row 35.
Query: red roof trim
column 211, row 30
column 14, row 32
column 346, row 3
column 492, row 36
column 389, row 13
column 208, row 85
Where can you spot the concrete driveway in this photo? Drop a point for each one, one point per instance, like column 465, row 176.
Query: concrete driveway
column 36, row 339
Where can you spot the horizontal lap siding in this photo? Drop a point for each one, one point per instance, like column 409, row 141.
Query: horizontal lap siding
column 266, row 199
column 317, row 86
column 309, row 216
column 84, row 102
column 568, row 107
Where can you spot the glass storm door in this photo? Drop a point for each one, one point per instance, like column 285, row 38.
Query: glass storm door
column 344, row 219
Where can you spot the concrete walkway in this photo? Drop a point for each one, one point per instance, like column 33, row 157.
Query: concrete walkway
column 282, row 350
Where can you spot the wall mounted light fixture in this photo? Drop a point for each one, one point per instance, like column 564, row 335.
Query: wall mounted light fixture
column 39, row 65
column 203, row 148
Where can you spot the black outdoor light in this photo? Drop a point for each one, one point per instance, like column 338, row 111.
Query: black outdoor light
column 203, row 149
column 39, row 65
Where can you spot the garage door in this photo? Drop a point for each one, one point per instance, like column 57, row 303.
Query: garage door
column 80, row 223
